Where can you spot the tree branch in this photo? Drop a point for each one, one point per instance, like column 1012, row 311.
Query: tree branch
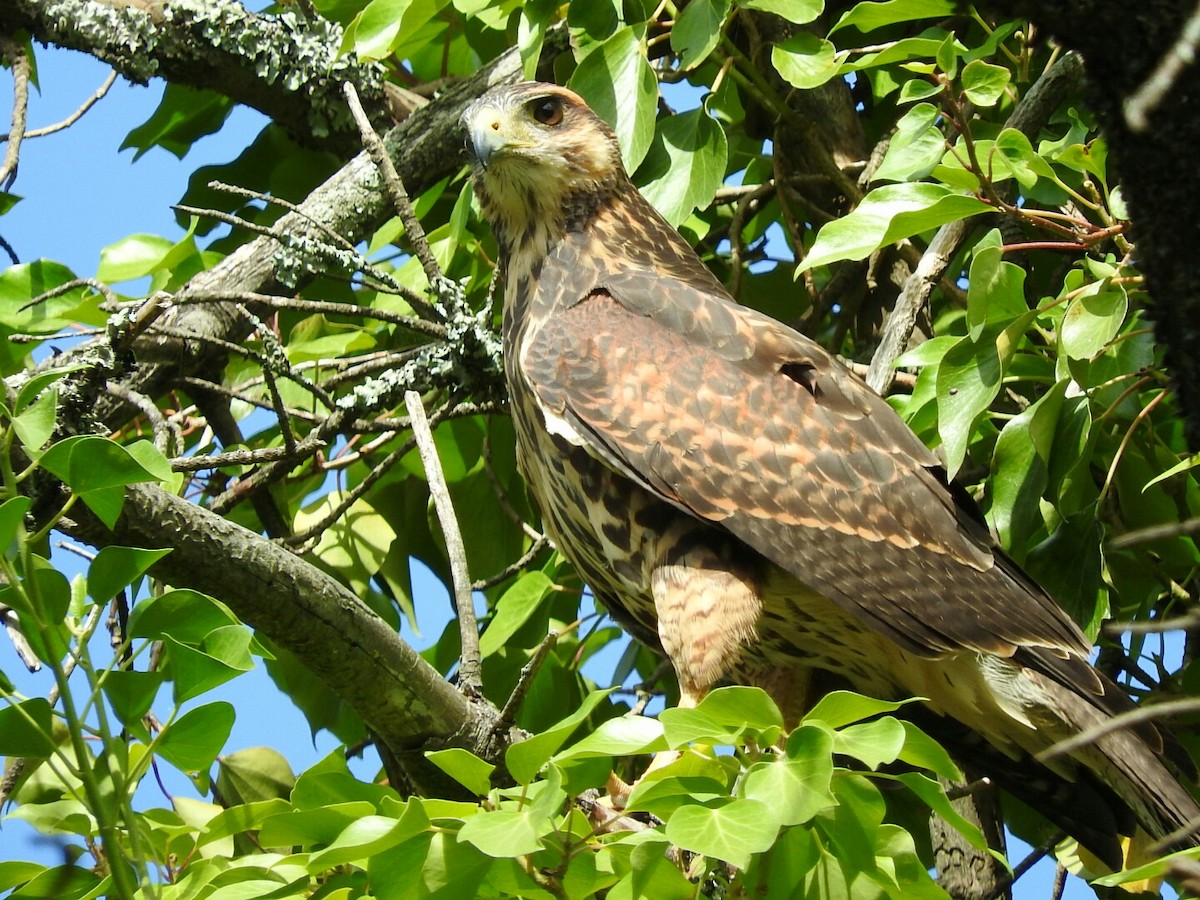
column 403, row 699
column 285, row 66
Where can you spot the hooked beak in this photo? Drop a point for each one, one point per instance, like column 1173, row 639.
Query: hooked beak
column 486, row 134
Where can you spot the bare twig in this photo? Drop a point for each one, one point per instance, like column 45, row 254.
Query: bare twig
column 1155, row 533
column 351, row 496
column 1027, row 863
column 13, row 628
column 248, row 194
column 166, row 438
column 202, row 385
column 1147, row 713
column 73, row 117
column 526, row 558
column 1154, row 626
column 19, row 61
column 395, row 187
column 1141, row 103
column 469, row 666
column 524, row 680
column 300, row 451
column 412, row 323
column 67, row 286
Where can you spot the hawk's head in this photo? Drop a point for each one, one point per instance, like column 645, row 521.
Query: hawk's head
column 542, row 160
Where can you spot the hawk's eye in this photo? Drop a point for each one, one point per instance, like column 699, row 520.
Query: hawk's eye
column 548, row 110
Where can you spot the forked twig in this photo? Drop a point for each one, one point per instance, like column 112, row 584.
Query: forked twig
column 1125, row 720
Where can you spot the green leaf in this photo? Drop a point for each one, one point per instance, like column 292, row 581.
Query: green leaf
column 924, row 752
column 245, row 816
column 26, row 730
column 934, row 796
column 133, row 257
column 501, row 833
column 14, row 873
column 915, row 148
column 1093, row 319
column 12, row 518
column 115, row 568
column 873, row 743
column 1020, row 469
column 662, row 796
column 947, row 56
column 1068, row 564
column 996, row 289
column 984, row 83
column 62, row 883
column 35, row 424
column 886, row 215
column 254, row 775
column 183, row 116
column 89, row 462
column 839, row 708
column 21, row 282
column 805, row 60
column 619, row 85
column 525, row 759
column 801, row 12
column 855, row 821
column 194, row 672
column 131, row 693
column 430, row 866
column 795, row 788
column 723, row 717
column 1026, row 165
column 383, row 24
column 184, row 615
column 622, row 736
column 968, row 380
column 513, row 609
column 697, row 31
column 464, row 767
column 369, row 836
column 686, row 164
column 307, row 827
column 732, row 832
column 868, row 16
column 192, row 741
column 531, row 34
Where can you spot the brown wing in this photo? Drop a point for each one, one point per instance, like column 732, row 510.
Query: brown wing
column 747, row 424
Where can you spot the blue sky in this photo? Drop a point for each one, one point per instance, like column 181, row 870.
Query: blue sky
column 81, row 194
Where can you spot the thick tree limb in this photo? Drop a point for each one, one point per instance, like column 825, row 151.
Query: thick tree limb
column 404, row 700
column 285, row 66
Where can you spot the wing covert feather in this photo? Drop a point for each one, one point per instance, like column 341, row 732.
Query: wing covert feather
column 745, row 423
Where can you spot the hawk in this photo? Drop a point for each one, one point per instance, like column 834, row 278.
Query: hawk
column 734, row 495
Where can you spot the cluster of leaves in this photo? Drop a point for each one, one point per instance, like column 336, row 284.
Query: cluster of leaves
column 1039, row 381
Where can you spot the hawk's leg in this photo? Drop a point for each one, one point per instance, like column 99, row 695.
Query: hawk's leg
column 707, row 609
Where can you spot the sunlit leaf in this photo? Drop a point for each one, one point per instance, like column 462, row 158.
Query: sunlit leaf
column 886, row 215
column 618, row 83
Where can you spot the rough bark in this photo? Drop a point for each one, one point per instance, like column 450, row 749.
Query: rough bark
column 284, row 66
column 406, row 703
